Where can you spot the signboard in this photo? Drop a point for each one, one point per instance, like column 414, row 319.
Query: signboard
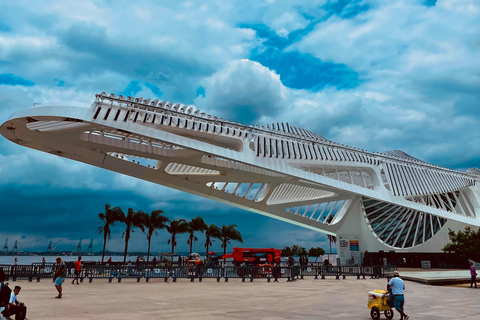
column 354, row 245
column 349, row 250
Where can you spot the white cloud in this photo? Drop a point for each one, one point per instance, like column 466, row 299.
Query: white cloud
column 243, row 89
column 288, row 22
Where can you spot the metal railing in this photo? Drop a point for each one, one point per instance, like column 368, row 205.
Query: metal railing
column 200, row 272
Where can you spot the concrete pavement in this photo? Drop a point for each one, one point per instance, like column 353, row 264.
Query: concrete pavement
column 302, row 299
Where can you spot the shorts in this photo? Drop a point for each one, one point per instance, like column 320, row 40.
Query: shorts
column 59, row 281
column 398, row 302
column 77, row 272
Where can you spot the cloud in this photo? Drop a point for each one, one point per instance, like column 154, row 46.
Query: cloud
column 288, row 22
column 244, row 91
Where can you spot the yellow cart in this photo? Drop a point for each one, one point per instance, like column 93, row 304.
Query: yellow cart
column 378, row 302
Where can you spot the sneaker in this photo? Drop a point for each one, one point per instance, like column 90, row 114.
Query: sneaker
column 406, row 318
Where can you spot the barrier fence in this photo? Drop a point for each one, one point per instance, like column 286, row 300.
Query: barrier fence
column 200, row 272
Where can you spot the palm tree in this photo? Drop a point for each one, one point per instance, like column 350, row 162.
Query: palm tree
column 131, row 220
column 108, row 220
column 176, row 227
column 212, row 231
column 228, row 233
column 196, row 224
column 155, row 221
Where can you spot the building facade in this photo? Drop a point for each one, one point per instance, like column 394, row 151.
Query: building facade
column 369, row 201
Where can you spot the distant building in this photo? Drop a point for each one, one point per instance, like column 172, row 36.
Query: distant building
column 369, row 201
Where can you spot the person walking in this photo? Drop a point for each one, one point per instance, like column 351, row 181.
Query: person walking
column 78, row 269
column 59, row 277
column 398, row 286
column 473, row 275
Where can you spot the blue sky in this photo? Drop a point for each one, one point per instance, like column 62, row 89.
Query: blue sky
column 378, row 75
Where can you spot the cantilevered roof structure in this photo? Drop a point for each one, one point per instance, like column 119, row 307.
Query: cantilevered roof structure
column 370, row 201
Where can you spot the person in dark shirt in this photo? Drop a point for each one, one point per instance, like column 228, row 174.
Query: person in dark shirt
column 291, row 261
column 473, row 275
column 59, row 276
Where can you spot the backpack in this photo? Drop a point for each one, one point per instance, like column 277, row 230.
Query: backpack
column 5, row 293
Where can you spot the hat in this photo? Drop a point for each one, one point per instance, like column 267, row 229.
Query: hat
column 395, row 273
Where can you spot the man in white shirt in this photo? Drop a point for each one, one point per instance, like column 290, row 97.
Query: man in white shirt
column 14, row 307
column 397, row 286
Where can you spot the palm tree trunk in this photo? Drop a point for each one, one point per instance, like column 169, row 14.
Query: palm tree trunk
column 224, row 250
column 127, row 238
column 149, row 239
column 191, row 243
column 104, row 246
column 173, row 243
column 207, row 247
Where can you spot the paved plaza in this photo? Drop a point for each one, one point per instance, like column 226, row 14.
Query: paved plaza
column 302, row 299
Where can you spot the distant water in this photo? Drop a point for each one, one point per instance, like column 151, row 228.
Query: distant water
column 27, row 260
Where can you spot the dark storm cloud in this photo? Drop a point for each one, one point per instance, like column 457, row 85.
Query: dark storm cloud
column 72, row 214
column 99, row 52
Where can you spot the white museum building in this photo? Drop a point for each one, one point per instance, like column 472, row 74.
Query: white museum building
column 368, row 200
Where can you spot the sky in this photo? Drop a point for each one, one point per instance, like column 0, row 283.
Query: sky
column 378, row 75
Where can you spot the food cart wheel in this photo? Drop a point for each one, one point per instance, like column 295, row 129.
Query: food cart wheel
column 389, row 314
column 375, row 313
